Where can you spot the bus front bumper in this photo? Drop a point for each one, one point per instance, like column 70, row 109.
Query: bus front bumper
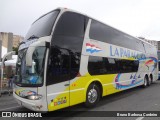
column 35, row 105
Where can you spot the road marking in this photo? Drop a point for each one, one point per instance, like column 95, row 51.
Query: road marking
column 9, row 108
column 139, row 118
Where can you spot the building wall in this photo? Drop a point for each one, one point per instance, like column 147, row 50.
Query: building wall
column 4, row 38
column 16, row 40
column 0, row 46
column 9, row 41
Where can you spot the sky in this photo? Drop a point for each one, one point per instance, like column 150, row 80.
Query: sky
column 139, row 18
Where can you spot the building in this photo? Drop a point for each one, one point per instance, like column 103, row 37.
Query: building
column 8, row 41
column 16, row 40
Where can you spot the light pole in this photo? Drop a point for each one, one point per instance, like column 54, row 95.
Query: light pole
column 2, row 65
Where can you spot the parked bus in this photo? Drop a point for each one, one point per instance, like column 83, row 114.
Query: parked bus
column 69, row 58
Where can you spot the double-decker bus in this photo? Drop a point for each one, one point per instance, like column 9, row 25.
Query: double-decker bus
column 69, row 58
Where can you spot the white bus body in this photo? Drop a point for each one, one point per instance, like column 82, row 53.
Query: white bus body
column 68, row 58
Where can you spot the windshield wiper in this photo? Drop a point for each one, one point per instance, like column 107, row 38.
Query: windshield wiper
column 32, row 37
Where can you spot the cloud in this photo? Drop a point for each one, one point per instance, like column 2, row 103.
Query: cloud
column 136, row 17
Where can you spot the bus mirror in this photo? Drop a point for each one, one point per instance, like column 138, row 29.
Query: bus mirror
column 30, row 51
column 29, row 56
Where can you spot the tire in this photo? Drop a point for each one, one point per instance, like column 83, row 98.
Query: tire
column 145, row 84
column 92, row 95
column 151, row 78
column 149, row 81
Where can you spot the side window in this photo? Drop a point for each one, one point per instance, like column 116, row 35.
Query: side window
column 68, row 36
column 135, row 65
column 101, row 65
column 99, row 31
column 63, row 65
column 75, row 62
column 96, row 66
column 58, row 66
column 111, row 65
column 126, row 66
column 105, row 33
column 71, row 24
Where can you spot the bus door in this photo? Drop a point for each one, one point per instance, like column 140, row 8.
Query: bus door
column 58, row 76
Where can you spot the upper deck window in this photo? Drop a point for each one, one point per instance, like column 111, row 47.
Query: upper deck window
column 71, row 24
column 43, row 26
column 105, row 33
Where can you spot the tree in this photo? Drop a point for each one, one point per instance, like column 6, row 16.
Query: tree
column 15, row 49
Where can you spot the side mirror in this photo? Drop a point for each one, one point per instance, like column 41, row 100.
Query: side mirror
column 29, row 56
column 30, row 51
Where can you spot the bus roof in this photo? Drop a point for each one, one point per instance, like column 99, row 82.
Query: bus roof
column 66, row 9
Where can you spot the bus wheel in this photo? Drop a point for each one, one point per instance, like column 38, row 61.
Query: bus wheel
column 149, row 81
column 145, row 82
column 92, row 96
column 151, row 78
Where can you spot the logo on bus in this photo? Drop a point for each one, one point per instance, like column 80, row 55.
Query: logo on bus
column 92, row 48
column 58, row 101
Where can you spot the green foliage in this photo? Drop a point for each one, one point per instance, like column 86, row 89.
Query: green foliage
column 15, row 49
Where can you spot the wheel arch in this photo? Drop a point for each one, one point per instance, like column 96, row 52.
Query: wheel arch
column 98, row 83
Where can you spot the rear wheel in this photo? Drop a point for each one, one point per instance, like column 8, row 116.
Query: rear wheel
column 92, row 95
column 149, row 81
column 151, row 78
column 145, row 82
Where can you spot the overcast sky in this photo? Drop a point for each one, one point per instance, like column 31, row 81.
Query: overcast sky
column 135, row 17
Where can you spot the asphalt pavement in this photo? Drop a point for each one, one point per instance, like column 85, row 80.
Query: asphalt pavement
column 135, row 99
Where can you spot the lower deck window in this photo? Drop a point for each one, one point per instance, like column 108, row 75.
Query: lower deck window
column 103, row 65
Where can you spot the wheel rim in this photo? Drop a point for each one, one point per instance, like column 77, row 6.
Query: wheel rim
column 92, row 95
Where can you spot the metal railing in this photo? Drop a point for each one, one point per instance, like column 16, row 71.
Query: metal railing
column 2, row 67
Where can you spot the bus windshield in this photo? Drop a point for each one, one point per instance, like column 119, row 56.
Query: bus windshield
column 31, row 75
column 43, row 26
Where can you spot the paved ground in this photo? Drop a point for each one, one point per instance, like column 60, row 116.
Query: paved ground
column 136, row 99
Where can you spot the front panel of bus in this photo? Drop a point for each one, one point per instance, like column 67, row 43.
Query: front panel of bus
column 45, row 71
column 30, row 84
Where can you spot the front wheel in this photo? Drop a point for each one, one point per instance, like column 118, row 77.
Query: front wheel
column 92, row 95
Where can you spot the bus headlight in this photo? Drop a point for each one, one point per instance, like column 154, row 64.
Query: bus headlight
column 34, row 97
